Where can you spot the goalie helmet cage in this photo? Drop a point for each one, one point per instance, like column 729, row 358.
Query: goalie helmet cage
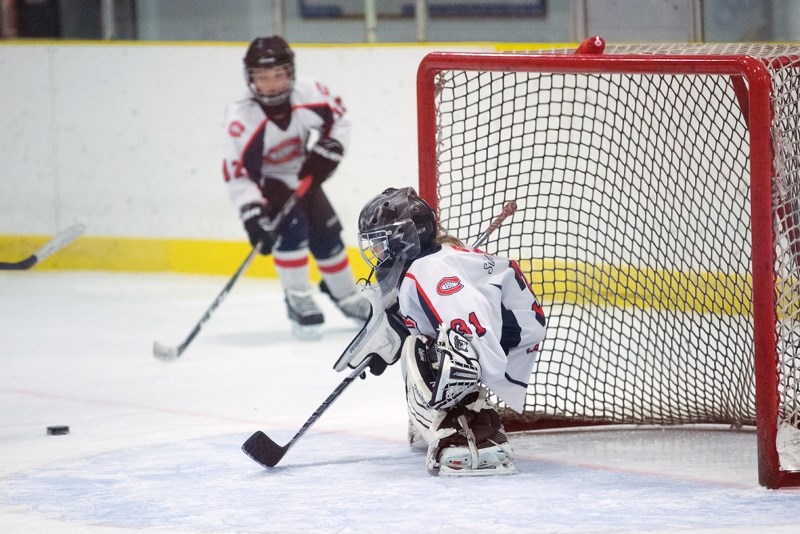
column 657, row 190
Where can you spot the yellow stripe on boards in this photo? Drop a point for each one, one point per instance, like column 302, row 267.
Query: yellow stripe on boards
column 153, row 255
column 581, row 283
column 554, row 281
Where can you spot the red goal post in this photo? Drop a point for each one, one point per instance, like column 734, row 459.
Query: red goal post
column 658, row 189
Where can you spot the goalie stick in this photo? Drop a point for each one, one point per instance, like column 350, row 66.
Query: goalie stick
column 168, row 353
column 264, row 451
column 61, row 240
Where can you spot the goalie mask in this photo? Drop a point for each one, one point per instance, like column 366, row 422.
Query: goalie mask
column 270, row 57
column 395, row 228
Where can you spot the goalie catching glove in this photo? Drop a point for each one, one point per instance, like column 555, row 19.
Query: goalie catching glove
column 257, row 224
column 381, row 339
column 322, row 160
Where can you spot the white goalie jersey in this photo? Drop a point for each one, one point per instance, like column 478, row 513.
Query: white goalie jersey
column 483, row 296
column 256, row 147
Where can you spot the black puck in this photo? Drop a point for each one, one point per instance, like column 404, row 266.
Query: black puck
column 57, row 430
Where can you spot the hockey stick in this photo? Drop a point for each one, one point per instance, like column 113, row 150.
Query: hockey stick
column 164, row 352
column 267, row 453
column 61, row 240
column 508, row 209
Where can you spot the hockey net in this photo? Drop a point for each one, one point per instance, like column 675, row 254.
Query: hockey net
column 657, row 190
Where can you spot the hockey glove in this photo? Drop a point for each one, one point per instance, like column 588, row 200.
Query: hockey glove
column 322, row 160
column 256, row 223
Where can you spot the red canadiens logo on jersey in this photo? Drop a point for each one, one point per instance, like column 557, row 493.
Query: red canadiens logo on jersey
column 236, row 129
column 285, row 151
column 449, row 285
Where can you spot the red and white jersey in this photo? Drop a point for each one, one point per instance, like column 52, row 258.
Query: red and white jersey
column 483, row 296
column 255, row 147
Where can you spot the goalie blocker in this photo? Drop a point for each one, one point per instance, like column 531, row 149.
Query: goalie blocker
column 380, row 339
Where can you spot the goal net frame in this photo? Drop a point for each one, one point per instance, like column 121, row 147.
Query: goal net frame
column 750, row 78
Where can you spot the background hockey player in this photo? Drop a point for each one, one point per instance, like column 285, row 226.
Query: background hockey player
column 267, row 153
column 466, row 321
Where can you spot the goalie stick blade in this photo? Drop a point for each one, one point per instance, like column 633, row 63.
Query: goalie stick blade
column 263, row 450
column 163, row 352
column 266, row 452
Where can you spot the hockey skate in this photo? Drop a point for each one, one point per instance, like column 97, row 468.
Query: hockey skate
column 460, row 455
column 305, row 316
column 354, row 306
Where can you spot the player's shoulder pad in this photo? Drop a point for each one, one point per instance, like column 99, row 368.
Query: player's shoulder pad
column 247, row 112
column 420, row 272
column 449, row 262
column 246, row 102
column 308, row 91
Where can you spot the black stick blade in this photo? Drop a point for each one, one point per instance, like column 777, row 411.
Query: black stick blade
column 263, row 450
column 22, row 265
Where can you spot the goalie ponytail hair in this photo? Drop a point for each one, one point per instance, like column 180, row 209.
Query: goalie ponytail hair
column 447, row 239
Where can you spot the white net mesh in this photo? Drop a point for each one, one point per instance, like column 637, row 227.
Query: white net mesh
column 634, row 227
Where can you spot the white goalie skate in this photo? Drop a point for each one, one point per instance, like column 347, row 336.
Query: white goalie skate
column 494, row 456
column 305, row 316
column 492, row 459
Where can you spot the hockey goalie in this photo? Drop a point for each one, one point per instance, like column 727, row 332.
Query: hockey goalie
column 460, row 321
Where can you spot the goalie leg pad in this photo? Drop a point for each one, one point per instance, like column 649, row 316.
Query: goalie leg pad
column 459, row 369
column 416, row 442
column 419, row 377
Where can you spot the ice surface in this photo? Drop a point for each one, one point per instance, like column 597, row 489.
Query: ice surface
column 156, row 445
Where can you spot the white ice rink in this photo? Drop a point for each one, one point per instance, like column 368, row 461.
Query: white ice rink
column 156, row 446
